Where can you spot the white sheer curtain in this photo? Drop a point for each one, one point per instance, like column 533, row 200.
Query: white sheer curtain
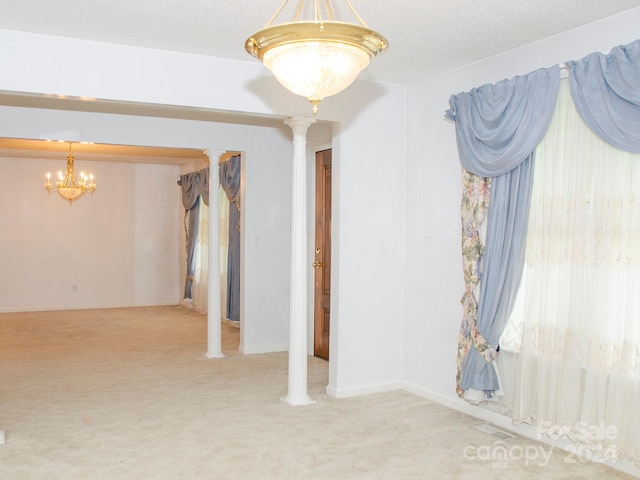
column 200, row 287
column 571, row 357
column 223, row 202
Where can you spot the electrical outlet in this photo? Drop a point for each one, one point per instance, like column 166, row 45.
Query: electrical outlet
column 74, row 288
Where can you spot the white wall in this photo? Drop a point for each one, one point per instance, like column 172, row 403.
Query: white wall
column 119, row 247
column 266, row 244
column 368, row 218
column 434, row 282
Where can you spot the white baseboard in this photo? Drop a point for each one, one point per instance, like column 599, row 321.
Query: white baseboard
column 356, row 391
column 455, row 404
column 257, row 349
column 82, row 307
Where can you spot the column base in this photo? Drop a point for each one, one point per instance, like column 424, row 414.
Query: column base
column 214, row 355
column 298, row 402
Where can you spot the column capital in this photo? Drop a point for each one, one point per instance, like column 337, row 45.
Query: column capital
column 213, row 154
column 299, row 125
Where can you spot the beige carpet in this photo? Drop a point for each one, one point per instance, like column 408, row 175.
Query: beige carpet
column 128, row 394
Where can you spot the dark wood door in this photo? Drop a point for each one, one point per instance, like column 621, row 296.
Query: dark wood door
column 322, row 262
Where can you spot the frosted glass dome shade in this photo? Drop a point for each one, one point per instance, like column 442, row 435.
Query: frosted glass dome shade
column 316, row 70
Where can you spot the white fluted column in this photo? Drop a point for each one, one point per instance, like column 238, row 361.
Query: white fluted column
column 297, row 394
column 214, row 334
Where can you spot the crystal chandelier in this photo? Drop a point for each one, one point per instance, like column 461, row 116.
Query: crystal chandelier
column 69, row 186
column 316, row 58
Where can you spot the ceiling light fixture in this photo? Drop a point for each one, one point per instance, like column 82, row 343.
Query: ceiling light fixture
column 69, row 186
column 316, row 58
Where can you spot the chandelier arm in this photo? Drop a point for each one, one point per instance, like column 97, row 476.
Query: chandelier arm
column 278, row 12
column 353, row 10
column 317, row 12
column 295, row 19
column 329, row 12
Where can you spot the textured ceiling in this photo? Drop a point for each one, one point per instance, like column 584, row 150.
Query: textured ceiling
column 425, row 37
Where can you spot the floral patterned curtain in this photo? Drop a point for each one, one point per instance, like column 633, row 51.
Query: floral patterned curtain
column 475, row 204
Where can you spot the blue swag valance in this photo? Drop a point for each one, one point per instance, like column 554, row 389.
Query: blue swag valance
column 498, row 126
column 606, row 92
column 195, row 184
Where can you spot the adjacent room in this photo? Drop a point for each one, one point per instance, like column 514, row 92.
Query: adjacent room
column 428, row 274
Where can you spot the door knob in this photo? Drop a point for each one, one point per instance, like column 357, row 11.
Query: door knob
column 317, row 264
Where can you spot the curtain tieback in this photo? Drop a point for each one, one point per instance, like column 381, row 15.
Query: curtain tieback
column 484, row 348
